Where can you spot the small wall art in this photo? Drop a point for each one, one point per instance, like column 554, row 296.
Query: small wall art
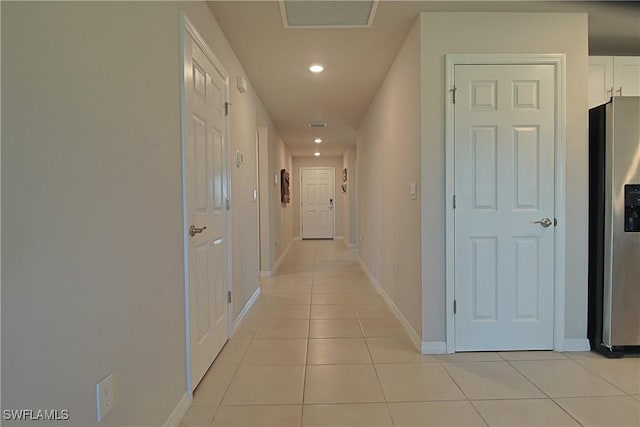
column 284, row 186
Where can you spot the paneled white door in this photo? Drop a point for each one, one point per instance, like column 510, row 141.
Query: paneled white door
column 317, row 204
column 206, row 184
column 504, row 215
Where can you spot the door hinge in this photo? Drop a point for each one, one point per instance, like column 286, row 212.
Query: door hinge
column 228, row 201
column 454, row 201
column 229, row 297
column 453, row 93
column 455, row 306
column 226, row 108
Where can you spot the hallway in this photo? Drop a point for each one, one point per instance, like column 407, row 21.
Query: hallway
column 321, row 348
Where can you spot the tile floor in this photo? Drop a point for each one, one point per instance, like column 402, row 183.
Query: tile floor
column 321, row 348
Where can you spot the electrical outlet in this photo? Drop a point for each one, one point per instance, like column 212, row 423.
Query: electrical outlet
column 105, row 398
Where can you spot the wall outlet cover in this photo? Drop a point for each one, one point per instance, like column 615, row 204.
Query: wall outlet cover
column 105, row 397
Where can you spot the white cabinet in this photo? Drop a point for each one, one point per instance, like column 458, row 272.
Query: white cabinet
column 613, row 76
column 626, row 75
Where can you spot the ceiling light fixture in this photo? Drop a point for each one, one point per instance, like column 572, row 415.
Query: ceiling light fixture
column 316, row 154
column 316, row 68
column 317, row 140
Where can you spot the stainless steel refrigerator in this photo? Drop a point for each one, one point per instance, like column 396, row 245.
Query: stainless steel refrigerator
column 614, row 226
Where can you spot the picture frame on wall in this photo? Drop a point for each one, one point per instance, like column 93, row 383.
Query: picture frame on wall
column 284, row 186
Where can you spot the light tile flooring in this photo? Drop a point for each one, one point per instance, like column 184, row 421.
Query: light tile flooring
column 321, row 348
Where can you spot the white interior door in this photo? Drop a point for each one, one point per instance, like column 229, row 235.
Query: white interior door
column 317, row 203
column 504, row 215
column 206, row 185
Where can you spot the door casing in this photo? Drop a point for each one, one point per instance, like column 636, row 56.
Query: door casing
column 186, row 27
column 558, row 61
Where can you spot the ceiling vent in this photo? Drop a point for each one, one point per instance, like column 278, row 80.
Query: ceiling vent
column 317, row 125
column 327, row 13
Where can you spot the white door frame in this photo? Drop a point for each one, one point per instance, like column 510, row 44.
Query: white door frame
column 186, row 27
column 334, row 196
column 558, row 61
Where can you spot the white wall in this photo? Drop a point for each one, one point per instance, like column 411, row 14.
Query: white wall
column 92, row 266
column 388, row 160
column 349, row 198
column 281, row 213
column 329, row 162
column 443, row 33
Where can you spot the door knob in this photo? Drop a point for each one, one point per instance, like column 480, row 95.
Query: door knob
column 545, row 222
column 193, row 230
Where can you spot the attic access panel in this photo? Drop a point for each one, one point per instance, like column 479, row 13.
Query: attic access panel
column 327, row 13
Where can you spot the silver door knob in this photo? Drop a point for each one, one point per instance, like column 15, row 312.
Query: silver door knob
column 193, row 230
column 545, row 222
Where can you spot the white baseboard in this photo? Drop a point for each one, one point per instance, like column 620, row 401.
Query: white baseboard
column 247, row 307
column 369, row 274
column 279, row 261
column 178, row 412
column 413, row 335
column 265, row 273
column 577, row 344
column 434, row 347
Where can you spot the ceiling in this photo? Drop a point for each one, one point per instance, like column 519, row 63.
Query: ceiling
column 356, row 60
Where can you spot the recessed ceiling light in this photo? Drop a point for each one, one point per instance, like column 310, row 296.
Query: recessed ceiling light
column 316, row 154
column 317, row 140
column 316, row 68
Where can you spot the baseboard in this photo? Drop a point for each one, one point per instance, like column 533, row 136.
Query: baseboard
column 434, row 347
column 413, row 335
column 247, row 307
column 280, row 259
column 265, row 273
column 369, row 274
column 178, row 412
column 577, row 344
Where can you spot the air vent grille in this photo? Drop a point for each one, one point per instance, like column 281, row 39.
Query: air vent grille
column 327, row 13
column 317, row 125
